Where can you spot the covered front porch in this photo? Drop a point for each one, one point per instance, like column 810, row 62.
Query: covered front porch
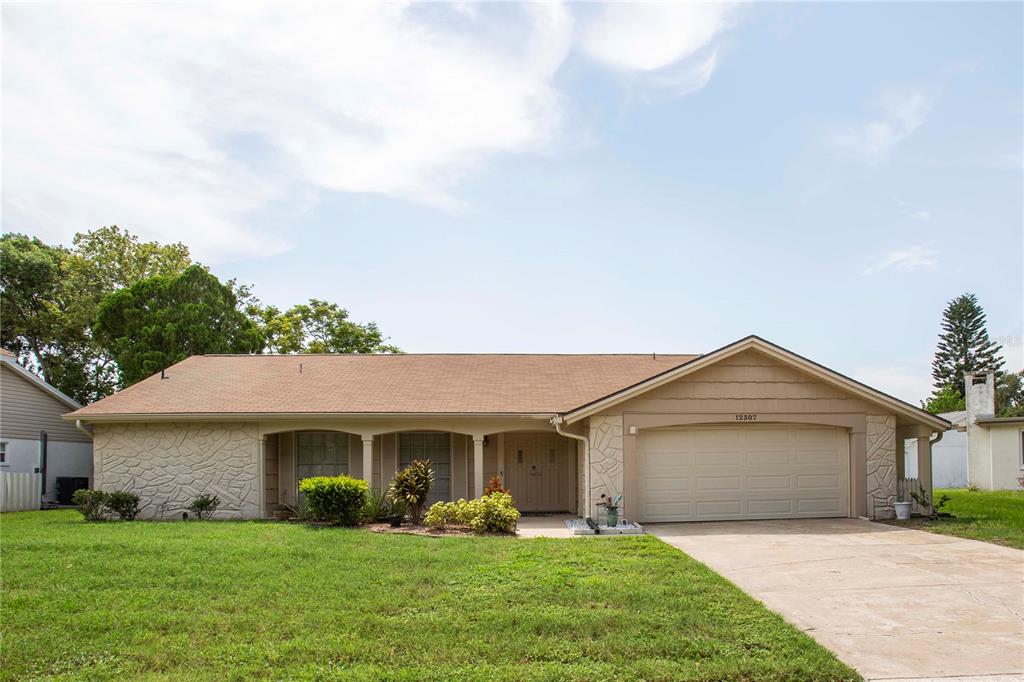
column 542, row 468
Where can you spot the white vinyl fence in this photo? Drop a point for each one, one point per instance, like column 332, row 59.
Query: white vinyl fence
column 907, row 486
column 19, row 492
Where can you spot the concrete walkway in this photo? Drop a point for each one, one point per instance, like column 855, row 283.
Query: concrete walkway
column 544, row 526
column 893, row 603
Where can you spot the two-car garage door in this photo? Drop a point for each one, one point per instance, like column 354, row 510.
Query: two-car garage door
column 743, row 472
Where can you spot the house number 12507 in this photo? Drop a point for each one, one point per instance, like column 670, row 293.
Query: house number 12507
column 746, row 417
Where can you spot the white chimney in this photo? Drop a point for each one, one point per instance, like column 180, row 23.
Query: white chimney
column 980, row 389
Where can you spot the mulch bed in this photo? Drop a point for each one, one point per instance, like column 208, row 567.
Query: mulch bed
column 408, row 529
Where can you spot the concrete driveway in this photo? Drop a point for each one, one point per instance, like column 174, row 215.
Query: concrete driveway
column 892, row 603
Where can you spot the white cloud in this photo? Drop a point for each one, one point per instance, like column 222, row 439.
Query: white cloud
column 652, row 36
column 900, row 113
column 184, row 121
column 669, row 46
column 908, row 259
column 180, row 120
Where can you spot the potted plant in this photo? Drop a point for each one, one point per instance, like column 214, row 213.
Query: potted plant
column 396, row 514
column 903, row 510
column 611, row 509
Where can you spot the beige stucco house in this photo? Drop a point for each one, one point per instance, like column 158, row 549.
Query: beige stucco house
column 749, row 431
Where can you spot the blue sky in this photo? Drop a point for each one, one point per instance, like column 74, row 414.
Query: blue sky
column 558, row 178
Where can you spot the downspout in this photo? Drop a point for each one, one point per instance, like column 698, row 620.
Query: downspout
column 557, row 422
column 92, row 459
column 78, row 425
column 931, row 457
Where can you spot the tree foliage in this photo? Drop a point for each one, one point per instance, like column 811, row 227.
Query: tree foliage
column 31, row 299
column 1010, row 395
column 164, row 319
column 51, row 297
column 945, row 399
column 964, row 345
column 317, row 327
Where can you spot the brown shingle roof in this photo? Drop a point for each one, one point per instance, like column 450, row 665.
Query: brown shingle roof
column 478, row 384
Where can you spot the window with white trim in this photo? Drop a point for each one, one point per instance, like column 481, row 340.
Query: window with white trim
column 3, row 452
column 1021, row 434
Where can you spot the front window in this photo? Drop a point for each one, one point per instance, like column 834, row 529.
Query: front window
column 435, row 447
column 3, row 453
column 320, row 453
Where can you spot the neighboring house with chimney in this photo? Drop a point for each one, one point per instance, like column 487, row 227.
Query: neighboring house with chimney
column 995, row 445
column 34, row 438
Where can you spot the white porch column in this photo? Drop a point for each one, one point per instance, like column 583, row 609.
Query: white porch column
column 261, row 466
column 924, row 463
column 478, row 465
column 368, row 459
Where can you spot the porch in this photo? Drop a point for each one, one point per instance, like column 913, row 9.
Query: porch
column 541, row 468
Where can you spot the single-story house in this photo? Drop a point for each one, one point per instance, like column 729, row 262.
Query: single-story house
column 748, row 431
column 34, row 437
column 995, row 445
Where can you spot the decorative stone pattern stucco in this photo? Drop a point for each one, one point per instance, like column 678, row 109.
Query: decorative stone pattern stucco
column 169, row 464
column 881, row 465
column 605, row 458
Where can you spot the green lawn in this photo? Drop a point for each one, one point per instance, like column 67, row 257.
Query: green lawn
column 993, row 516
column 234, row 600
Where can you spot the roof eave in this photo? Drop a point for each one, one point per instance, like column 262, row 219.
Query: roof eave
column 40, row 384
column 287, row 416
column 1000, row 420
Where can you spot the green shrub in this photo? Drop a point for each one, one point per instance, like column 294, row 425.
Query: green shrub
column 494, row 513
column 123, row 503
column 412, row 484
column 377, row 507
column 204, row 506
column 335, row 499
column 441, row 514
column 92, row 504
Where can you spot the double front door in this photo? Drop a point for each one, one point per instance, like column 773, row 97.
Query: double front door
column 540, row 471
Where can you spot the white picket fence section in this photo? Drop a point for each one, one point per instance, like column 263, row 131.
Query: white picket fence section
column 20, row 492
column 907, row 486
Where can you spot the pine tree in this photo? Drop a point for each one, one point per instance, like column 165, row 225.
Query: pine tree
column 964, row 345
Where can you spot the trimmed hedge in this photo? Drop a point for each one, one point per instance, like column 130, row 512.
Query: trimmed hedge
column 335, row 499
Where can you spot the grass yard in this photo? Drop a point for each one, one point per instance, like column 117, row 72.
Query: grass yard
column 227, row 600
column 995, row 516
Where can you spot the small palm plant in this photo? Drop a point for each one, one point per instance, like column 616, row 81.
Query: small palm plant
column 412, row 485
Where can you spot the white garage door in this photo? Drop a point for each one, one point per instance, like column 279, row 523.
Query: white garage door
column 743, row 472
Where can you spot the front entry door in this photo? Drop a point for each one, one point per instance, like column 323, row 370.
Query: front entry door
column 540, row 471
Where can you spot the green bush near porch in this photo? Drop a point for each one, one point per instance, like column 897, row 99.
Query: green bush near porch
column 288, row 601
column 492, row 513
column 335, row 499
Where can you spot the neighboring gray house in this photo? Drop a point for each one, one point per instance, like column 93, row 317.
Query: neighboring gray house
column 34, row 437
